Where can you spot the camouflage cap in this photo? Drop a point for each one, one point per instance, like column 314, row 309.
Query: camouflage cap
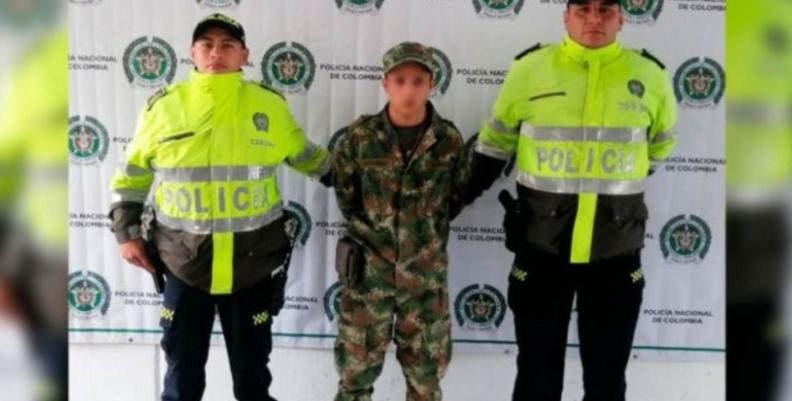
column 408, row 52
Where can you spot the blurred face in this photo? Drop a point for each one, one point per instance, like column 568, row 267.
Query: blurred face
column 593, row 25
column 408, row 87
column 217, row 52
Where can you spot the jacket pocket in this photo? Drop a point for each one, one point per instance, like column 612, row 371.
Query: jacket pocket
column 176, row 137
column 185, row 254
column 262, row 250
column 178, row 247
column 546, row 95
column 547, row 220
column 620, row 226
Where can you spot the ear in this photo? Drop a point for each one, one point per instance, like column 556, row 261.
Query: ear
column 192, row 55
column 245, row 54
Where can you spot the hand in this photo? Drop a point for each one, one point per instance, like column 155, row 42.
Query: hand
column 327, row 179
column 9, row 305
column 134, row 252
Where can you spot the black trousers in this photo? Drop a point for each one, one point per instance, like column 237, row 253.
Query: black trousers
column 187, row 317
column 757, row 255
column 542, row 290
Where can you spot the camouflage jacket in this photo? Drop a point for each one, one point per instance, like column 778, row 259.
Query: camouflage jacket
column 401, row 209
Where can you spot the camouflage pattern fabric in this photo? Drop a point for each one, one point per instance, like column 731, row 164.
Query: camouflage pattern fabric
column 408, row 52
column 399, row 211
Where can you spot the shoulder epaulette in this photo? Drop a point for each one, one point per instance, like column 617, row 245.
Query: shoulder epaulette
column 528, row 50
column 271, row 89
column 645, row 53
column 159, row 94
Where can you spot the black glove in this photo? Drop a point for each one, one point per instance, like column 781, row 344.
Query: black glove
column 327, row 179
column 484, row 170
column 512, row 221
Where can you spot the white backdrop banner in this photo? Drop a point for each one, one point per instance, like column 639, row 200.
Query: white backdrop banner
column 325, row 55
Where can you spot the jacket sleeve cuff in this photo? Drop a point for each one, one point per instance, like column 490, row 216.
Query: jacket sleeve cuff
column 128, row 234
column 126, row 224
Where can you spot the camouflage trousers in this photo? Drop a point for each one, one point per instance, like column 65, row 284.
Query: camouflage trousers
column 378, row 311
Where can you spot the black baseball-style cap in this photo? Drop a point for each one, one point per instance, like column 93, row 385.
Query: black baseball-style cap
column 606, row 2
column 222, row 21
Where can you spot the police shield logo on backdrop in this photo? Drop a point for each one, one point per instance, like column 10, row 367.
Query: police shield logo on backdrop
column 289, row 67
column 359, row 6
column 300, row 223
column 88, row 140
column 498, row 8
column 685, row 239
column 480, row 307
column 332, row 302
column 218, row 3
column 642, row 11
column 88, row 295
column 149, row 62
column 700, row 83
column 444, row 71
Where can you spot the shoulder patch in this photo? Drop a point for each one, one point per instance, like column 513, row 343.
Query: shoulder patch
column 645, row 53
column 528, row 50
column 271, row 89
column 159, row 94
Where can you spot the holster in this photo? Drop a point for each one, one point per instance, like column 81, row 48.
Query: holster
column 513, row 223
column 280, row 275
column 159, row 266
column 147, row 226
column 349, row 262
column 278, row 285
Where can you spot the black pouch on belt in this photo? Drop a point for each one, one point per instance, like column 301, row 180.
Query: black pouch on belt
column 349, row 262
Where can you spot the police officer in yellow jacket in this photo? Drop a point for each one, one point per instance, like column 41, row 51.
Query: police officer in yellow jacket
column 210, row 146
column 589, row 121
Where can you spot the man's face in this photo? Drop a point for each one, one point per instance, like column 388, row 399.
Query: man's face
column 217, row 52
column 594, row 24
column 408, row 87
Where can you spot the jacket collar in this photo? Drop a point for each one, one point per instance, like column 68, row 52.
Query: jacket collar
column 580, row 53
column 429, row 137
column 220, row 83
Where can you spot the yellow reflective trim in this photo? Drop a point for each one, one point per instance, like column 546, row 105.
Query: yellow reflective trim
column 583, row 233
column 222, row 263
column 500, row 127
column 261, row 318
column 581, row 185
column 497, row 144
column 313, row 160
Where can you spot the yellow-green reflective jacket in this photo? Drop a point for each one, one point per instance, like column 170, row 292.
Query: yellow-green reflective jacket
column 34, row 162
column 587, row 126
column 211, row 146
column 759, row 99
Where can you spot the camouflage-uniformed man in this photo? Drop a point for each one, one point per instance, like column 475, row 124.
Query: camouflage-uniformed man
column 399, row 178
